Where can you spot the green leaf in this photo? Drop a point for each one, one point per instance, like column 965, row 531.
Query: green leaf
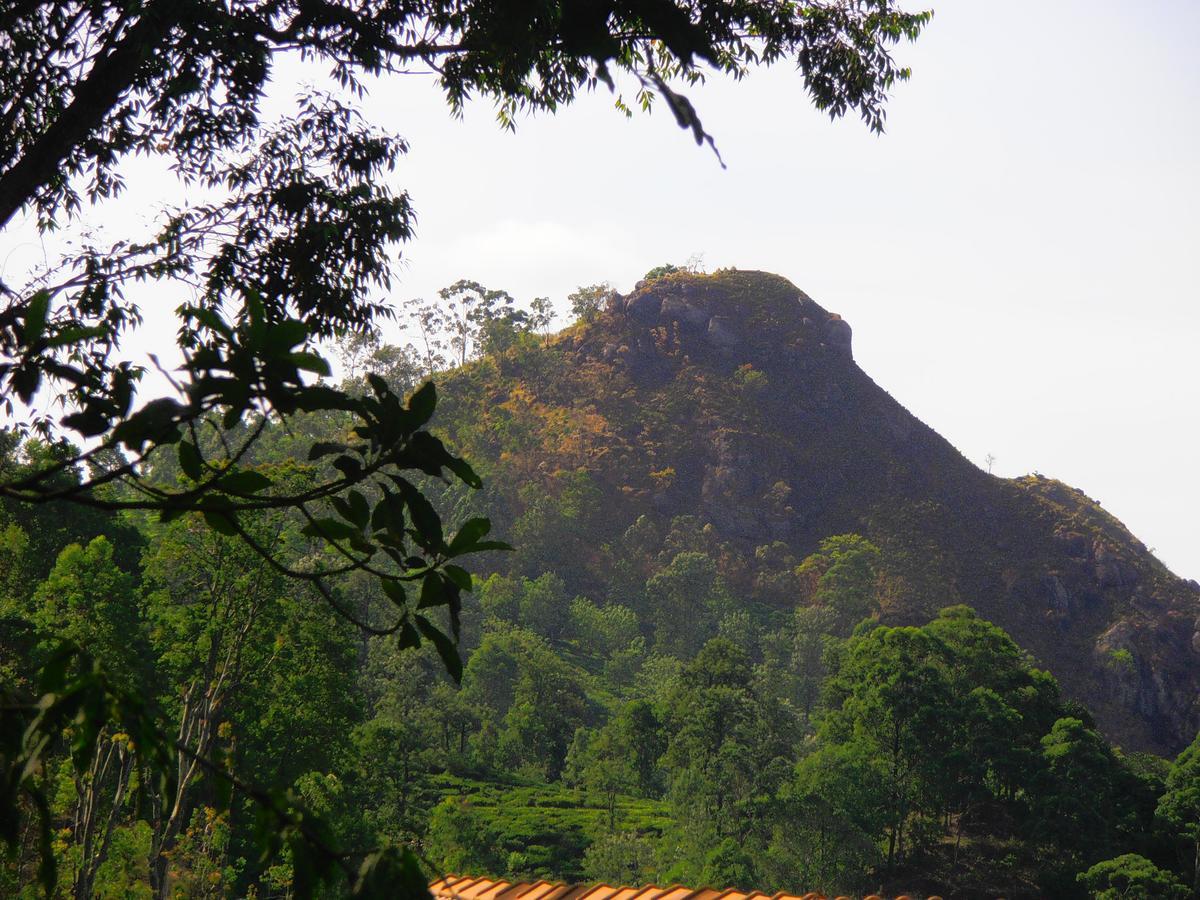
column 490, row 545
column 395, row 592
column 459, row 576
column 36, row 314
column 88, row 422
column 346, row 511
column 446, row 648
column 47, row 866
column 190, row 461
column 284, row 336
column 310, row 362
column 245, row 482
column 350, row 467
column 433, row 591
column 222, row 793
column 421, row 406
column 208, row 318
column 76, row 335
column 25, row 381
column 388, row 514
column 408, row 637
column 316, row 397
column 324, row 448
column 463, row 470
column 388, row 873
column 427, row 526
column 330, row 529
column 359, row 508
column 378, row 384
column 468, row 536
column 156, row 421
column 221, row 523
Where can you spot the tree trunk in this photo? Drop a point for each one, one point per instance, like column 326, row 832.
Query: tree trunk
column 94, row 847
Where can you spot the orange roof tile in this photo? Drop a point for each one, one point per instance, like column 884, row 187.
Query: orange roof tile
column 460, row 887
column 600, row 892
column 476, row 890
column 570, row 892
column 648, row 892
column 539, row 890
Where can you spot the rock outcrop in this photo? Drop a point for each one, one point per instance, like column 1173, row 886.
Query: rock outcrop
column 702, row 310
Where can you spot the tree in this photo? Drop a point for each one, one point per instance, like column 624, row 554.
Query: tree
column 622, row 858
column 543, row 605
column 893, row 695
column 295, row 247
column 601, row 763
column 586, row 302
column 533, row 699
column 661, row 271
column 844, row 571
column 88, row 600
column 812, row 640
column 603, row 631
column 728, row 753
column 1005, row 707
column 832, row 830
column 686, row 599
column 1078, row 801
column 1180, row 805
column 1130, row 876
column 459, row 841
column 541, row 315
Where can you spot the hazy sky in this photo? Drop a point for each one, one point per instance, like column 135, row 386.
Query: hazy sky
column 1019, row 255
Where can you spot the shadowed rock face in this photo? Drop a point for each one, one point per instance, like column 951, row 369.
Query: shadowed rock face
column 747, row 389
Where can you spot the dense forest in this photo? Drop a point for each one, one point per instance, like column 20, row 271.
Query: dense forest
column 645, row 696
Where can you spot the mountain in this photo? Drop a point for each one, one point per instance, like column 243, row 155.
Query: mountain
column 734, row 399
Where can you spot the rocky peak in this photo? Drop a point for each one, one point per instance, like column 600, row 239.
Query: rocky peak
column 735, row 313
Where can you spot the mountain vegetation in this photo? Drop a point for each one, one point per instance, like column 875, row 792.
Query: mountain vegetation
column 761, row 628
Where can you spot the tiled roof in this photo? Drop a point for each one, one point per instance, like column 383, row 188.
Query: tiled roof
column 464, row 887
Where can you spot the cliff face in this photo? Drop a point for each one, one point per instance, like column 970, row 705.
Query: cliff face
column 735, row 398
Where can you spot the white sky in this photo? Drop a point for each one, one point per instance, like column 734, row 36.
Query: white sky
column 1019, row 256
